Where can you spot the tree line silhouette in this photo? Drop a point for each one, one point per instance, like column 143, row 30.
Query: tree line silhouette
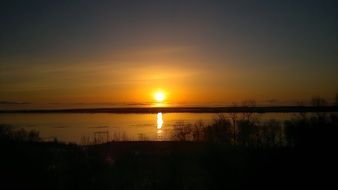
column 246, row 129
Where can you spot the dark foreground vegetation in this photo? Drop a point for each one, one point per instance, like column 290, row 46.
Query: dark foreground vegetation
column 234, row 152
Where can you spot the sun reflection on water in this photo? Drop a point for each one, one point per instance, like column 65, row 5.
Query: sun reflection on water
column 159, row 120
column 159, row 126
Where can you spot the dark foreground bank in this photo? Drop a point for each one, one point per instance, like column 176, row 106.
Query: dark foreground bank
column 163, row 165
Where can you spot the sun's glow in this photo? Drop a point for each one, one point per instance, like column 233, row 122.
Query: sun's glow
column 159, row 96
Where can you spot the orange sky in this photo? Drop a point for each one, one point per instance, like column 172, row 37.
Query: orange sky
column 203, row 53
column 135, row 76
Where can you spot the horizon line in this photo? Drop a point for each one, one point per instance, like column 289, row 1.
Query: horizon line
column 183, row 109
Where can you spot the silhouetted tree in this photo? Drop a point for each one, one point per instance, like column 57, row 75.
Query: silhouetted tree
column 234, row 116
column 219, row 130
column 182, row 131
column 198, row 130
column 5, row 132
column 271, row 134
column 246, row 131
column 249, row 115
column 317, row 101
column 9, row 133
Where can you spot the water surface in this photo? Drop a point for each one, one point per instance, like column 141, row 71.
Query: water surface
column 72, row 127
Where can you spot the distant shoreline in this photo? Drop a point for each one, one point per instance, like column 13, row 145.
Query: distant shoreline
column 125, row 110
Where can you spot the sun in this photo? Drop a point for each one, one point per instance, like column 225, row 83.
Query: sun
column 159, row 96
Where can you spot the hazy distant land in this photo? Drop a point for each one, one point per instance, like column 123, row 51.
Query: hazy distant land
column 258, row 109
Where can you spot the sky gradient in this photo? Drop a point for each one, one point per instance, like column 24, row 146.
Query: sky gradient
column 72, row 53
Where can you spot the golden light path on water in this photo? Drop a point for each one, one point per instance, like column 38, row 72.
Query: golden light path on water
column 159, row 120
column 159, row 126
